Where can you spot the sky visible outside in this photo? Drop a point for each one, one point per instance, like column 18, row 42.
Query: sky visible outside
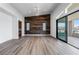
column 76, row 22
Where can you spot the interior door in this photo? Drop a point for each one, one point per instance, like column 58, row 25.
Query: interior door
column 62, row 29
column 20, row 29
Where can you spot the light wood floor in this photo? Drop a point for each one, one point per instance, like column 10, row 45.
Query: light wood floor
column 73, row 41
column 37, row 45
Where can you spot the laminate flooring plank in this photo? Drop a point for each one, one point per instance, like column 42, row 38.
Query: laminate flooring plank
column 37, row 45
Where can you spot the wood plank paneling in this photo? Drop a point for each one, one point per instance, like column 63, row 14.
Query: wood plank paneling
column 36, row 23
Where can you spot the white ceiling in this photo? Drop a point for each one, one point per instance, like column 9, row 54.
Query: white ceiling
column 33, row 9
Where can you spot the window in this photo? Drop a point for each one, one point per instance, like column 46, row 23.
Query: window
column 76, row 26
column 44, row 26
column 27, row 26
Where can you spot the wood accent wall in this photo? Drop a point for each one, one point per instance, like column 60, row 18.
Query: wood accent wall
column 36, row 24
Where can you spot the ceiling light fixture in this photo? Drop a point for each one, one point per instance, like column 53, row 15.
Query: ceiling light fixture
column 36, row 9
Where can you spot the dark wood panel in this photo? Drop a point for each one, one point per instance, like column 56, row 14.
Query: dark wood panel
column 36, row 24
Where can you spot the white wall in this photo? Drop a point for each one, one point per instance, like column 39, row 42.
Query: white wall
column 9, row 23
column 8, row 27
column 14, row 28
column 54, row 14
column 5, row 27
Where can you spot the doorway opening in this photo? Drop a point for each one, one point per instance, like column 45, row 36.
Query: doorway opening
column 19, row 29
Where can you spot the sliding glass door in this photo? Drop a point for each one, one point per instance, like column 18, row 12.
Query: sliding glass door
column 67, row 29
column 62, row 29
column 73, row 29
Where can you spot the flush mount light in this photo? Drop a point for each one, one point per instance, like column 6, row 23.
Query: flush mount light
column 36, row 9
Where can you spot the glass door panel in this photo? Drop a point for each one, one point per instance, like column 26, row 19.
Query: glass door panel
column 73, row 29
column 62, row 29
